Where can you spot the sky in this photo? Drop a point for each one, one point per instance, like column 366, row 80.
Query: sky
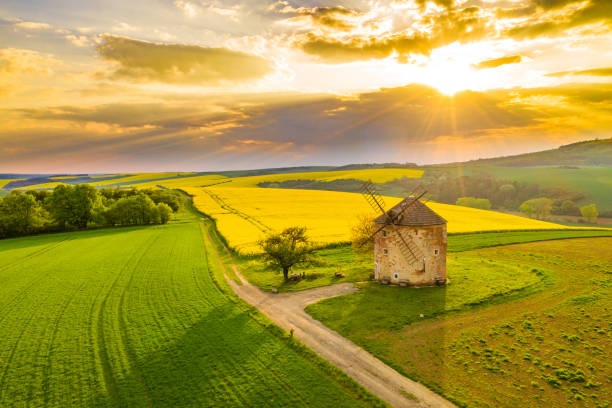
column 197, row 85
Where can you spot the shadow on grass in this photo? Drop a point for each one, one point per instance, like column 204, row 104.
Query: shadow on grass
column 223, row 360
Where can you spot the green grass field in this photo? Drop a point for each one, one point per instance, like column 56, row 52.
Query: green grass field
column 142, row 317
column 594, row 182
column 521, row 325
column 357, row 269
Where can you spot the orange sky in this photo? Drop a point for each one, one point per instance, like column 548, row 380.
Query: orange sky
column 201, row 85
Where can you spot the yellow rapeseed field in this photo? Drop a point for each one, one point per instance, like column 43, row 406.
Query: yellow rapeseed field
column 4, row 182
column 376, row 175
column 138, row 177
column 245, row 214
column 42, row 186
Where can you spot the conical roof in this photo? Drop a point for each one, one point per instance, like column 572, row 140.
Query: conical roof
column 417, row 215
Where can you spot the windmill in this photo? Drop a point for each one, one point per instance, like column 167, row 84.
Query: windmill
column 400, row 228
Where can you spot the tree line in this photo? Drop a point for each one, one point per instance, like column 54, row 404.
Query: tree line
column 70, row 207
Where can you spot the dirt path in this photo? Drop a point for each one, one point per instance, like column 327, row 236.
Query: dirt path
column 287, row 311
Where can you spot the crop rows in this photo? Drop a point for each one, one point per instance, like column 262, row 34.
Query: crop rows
column 132, row 317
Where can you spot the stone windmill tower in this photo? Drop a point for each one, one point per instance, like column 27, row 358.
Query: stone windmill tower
column 409, row 243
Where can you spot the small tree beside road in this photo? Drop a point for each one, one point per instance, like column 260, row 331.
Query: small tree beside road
column 287, row 249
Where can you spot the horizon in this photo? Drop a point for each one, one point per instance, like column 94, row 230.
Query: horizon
column 191, row 84
column 416, row 164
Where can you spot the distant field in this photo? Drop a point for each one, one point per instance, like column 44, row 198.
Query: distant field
column 376, row 175
column 594, row 182
column 522, row 325
column 43, row 186
column 135, row 317
column 130, row 178
column 4, row 182
column 245, row 214
column 467, row 242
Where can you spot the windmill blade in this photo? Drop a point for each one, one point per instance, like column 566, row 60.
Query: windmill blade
column 392, row 219
column 372, row 196
column 407, row 247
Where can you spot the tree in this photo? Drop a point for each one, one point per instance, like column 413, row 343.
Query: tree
column 527, row 208
column 541, row 207
column 568, row 207
column 589, row 212
column 287, row 249
column 362, row 240
column 165, row 212
column 20, row 214
column 73, row 205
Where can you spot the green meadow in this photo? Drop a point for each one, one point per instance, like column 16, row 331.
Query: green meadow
column 142, row 316
column 594, row 182
column 520, row 325
column 341, row 258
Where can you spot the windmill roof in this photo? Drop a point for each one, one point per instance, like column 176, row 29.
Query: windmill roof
column 418, row 214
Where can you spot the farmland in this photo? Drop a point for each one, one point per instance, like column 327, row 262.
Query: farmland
column 142, row 316
column 342, row 258
column 245, row 214
column 521, row 325
column 594, row 182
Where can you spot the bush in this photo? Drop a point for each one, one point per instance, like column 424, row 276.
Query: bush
column 589, row 212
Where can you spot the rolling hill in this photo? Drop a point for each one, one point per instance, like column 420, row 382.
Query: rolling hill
column 596, row 152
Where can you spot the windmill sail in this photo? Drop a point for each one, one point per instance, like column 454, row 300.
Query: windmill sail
column 372, row 196
column 407, row 247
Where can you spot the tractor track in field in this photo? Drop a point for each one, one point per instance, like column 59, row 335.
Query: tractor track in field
column 287, row 311
column 46, row 372
column 223, row 204
column 110, row 382
column 255, row 356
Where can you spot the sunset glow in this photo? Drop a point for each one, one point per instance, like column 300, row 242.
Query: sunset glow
column 126, row 86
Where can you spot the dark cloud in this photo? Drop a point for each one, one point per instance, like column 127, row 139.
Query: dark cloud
column 544, row 23
column 494, row 63
column 166, row 116
column 141, row 61
column 463, row 25
column 411, row 123
column 337, row 18
column 603, row 72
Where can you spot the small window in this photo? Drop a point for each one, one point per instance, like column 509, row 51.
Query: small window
column 385, row 251
column 436, row 252
column 384, row 233
column 396, row 275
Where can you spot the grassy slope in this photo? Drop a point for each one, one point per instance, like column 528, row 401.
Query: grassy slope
column 545, row 345
column 594, row 182
column 591, row 152
column 133, row 317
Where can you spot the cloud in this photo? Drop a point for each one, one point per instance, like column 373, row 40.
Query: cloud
column 494, row 63
column 29, row 25
column 20, row 61
column 188, row 8
column 142, row 61
column 453, row 25
column 411, row 123
column 553, row 18
column 333, row 17
column 602, row 72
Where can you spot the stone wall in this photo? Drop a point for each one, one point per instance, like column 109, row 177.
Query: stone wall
column 391, row 264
